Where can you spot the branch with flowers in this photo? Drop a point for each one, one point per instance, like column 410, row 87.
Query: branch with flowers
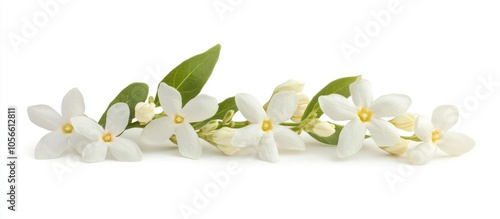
column 188, row 116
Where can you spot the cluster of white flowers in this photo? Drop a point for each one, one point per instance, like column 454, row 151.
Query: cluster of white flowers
column 276, row 124
column 84, row 134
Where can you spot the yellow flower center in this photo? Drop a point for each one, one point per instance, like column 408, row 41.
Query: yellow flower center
column 436, row 135
column 67, row 128
column 365, row 115
column 178, row 119
column 107, row 137
column 267, row 125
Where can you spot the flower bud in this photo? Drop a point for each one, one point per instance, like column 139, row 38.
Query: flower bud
column 210, row 126
column 405, row 122
column 398, row 149
column 144, row 112
column 290, row 85
column 303, row 101
column 323, row 129
column 222, row 138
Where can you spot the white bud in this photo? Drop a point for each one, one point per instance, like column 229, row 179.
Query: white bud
column 301, row 108
column 290, row 85
column 399, row 148
column 323, row 129
column 297, row 116
column 302, row 99
column 144, row 112
column 210, row 126
column 222, row 138
column 228, row 150
column 405, row 122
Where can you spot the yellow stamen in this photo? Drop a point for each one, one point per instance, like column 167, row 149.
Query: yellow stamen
column 436, row 135
column 178, row 119
column 365, row 115
column 107, row 137
column 267, row 125
column 67, row 128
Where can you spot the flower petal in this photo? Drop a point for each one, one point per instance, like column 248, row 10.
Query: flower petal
column 170, row 99
column 290, row 85
column 117, row 118
column 158, row 130
column 424, row 129
column 72, row 104
column 390, row 105
column 250, row 108
column 267, row 148
column 87, row 127
column 78, row 142
column 248, row 135
column 199, row 108
column 361, row 93
column 125, row 150
column 337, row 107
column 282, row 106
column 444, row 117
column 421, row 154
column 95, row 152
column 455, row 144
column 288, row 139
column 383, row 132
column 188, row 141
column 351, row 138
column 45, row 117
column 51, row 145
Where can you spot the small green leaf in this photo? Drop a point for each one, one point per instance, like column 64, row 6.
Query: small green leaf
column 191, row 75
column 339, row 86
column 332, row 139
column 131, row 95
column 224, row 106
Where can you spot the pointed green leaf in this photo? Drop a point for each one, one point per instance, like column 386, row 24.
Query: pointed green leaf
column 191, row 75
column 131, row 95
column 339, row 86
column 224, row 106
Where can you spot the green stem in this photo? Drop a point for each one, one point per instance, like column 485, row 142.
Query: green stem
column 293, row 124
column 240, row 124
column 134, row 125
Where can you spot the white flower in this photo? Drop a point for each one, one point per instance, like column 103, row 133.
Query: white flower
column 405, row 121
column 53, row 144
column 144, row 112
column 222, row 138
column 103, row 139
column 265, row 130
column 364, row 114
column 434, row 134
column 177, row 120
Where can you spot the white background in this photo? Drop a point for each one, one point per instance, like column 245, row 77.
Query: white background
column 435, row 51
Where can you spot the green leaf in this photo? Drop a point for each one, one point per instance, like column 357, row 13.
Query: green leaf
column 332, row 139
column 131, row 95
column 224, row 106
column 339, row 86
column 191, row 75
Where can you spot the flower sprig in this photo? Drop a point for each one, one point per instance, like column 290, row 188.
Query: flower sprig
column 188, row 116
